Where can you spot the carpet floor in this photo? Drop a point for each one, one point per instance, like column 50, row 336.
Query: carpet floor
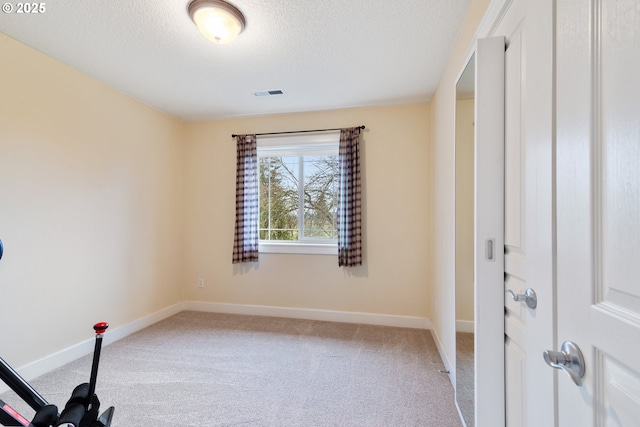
column 465, row 376
column 206, row 369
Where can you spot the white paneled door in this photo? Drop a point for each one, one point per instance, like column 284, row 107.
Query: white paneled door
column 528, row 233
column 598, row 208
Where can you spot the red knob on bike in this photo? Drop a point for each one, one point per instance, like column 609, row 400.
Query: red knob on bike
column 100, row 327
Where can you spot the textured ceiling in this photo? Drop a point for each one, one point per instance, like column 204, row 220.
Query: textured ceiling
column 325, row 54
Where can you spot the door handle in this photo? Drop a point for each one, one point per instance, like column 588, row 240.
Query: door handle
column 488, row 249
column 569, row 359
column 529, row 297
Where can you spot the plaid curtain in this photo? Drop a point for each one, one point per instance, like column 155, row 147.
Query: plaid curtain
column 349, row 219
column 245, row 243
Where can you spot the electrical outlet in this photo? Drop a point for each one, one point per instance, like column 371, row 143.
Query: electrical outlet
column 201, row 282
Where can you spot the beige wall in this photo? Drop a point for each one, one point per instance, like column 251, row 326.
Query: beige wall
column 442, row 159
column 110, row 210
column 393, row 279
column 90, row 206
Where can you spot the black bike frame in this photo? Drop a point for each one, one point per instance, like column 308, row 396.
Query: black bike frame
column 20, row 386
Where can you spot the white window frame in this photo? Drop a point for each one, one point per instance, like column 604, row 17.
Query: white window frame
column 293, row 145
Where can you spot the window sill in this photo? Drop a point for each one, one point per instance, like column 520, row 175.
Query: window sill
column 298, row 248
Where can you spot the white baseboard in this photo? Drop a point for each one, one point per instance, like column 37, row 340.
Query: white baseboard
column 74, row 352
column 144, row 322
column 465, row 326
column 311, row 314
column 444, row 357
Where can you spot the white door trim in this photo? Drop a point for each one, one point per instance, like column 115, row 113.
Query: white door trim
column 489, row 233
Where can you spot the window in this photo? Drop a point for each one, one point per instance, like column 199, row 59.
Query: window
column 298, row 178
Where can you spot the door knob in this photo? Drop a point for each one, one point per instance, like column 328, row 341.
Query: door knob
column 529, row 297
column 569, row 359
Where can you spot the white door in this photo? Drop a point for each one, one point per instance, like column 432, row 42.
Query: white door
column 528, row 28
column 489, row 234
column 517, row 316
column 598, row 208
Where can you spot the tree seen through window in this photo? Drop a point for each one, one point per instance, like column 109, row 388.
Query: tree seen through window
column 298, row 197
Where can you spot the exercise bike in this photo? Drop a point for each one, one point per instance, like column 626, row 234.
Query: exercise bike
column 81, row 410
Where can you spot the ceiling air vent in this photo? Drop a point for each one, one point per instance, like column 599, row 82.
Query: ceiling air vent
column 273, row 92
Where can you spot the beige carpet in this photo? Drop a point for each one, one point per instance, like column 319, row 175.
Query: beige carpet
column 465, row 376
column 204, row 369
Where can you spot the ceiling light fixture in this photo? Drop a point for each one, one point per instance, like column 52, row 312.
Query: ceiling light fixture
column 217, row 20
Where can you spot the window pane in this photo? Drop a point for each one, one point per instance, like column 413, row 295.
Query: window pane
column 279, row 198
column 283, row 202
column 320, row 197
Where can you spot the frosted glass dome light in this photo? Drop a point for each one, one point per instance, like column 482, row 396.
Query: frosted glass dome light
column 217, row 20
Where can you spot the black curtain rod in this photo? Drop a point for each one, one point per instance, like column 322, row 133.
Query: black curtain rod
column 298, row 131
